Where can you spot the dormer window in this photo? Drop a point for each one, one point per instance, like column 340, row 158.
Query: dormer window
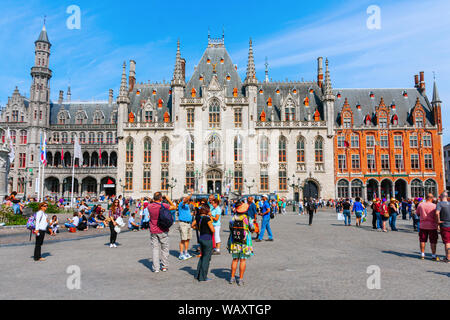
column 261, row 91
column 278, row 91
column 262, row 116
column 222, row 60
column 294, row 91
column 269, row 102
column 367, row 120
column 311, row 91
column 200, row 78
column 306, row 102
column 160, row 103
column 193, row 93
column 382, row 120
column 339, row 95
column 228, row 77
column 208, row 61
column 154, row 92
column 395, row 120
column 138, row 92
column 419, row 119
column 347, row 120
column 393, row 106
column 372, row 95
column 405, row 94
column 235, row 92
column 358, row 106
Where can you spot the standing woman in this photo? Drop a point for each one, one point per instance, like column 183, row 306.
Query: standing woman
column 41, row 224
column 114, row 213
column 384, row 214
column 203, row 223
column 240, row 247
column 358, row 209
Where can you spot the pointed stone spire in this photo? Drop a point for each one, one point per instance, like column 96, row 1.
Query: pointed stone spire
column 123, row 92
column 69, row 94
column 250, row 79
column 327, row 88
column 267, row 71
column 436, row 98
column 43, row 37
column 178, row 79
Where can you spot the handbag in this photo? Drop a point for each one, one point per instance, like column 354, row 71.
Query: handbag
column 256, row 227
column 340, row 217
column 117, row 229
column 120, row 222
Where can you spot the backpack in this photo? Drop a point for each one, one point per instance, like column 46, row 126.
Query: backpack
column 165, row 219
column 238, row 232
column 31, row 223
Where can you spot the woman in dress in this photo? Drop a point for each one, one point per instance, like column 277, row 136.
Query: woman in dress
column 240, row 246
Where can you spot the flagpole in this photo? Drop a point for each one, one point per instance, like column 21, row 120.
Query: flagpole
column 73, row 176
column 42, row 181
column 39, row 182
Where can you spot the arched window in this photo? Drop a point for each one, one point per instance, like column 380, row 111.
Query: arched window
column 13, row 136
column 61, row 118
column 56, row 137
column 80, row 118
column 100, row 137
column 395, row 120
column 301, row 150
column 419, row 119
column 347, row 120
column 23, row 137
column 147, row 150
column 91, row 137
column 382, row 120
column 357, row 188
column 290, row 111
column 282, row 142
column 238, row 149
column 72, row 137
column 64, row 137
column 416, row 188
column 129, row 150
column 165, row 150
column 190, row 148
column 431, row 187
column 214, row 114
column 193, row 93
column 318, row 150
column 342, row 188
column 98, row 117
column 109, row 138
column 214, row 150
column 264, row 149
column 82, row 137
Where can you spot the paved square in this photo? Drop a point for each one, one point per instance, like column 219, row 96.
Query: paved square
column 324, row 261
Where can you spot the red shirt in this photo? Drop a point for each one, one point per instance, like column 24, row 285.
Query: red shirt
column 153, row 209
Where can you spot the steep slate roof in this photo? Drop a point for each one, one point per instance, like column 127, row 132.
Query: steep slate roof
column 403, row 106
column 43, row 35
column 146, row 92
column 89, row 107
column 286, row 88
column 215, row 53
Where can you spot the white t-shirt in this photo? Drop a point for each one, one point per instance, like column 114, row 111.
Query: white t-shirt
column 41, row 220
column 76, row 221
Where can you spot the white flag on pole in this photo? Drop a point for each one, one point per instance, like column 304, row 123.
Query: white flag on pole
column 77, row 150
column 11, row 154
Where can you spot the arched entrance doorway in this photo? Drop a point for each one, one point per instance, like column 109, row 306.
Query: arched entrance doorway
column 372, row 189
column 108, row 186
column 214, row 182
column 400, row 189
column 386, row 189
column 51, row 185
column 310, row 190
column 88, row 186
column 67, row 187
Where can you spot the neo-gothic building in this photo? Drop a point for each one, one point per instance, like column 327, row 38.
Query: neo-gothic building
column 215, row 132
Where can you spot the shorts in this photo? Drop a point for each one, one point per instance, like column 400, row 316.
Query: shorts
column 445, row 234
column 239, row 256
column 217, row 234
column 358, row 214
column 424, row 234
column 384, row 218
column 185, row 231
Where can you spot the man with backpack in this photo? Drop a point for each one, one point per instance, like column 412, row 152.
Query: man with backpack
column 311, row 206
column 160, row 222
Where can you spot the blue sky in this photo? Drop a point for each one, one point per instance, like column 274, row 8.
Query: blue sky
column 414, row 36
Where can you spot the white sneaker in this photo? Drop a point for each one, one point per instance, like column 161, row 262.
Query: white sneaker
column 187, row 256
column 115, row 246
column 182, row 257
column 111, row 245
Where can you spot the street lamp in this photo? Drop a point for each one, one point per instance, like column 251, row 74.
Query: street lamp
column 249, row 185
column 293, row 185
column 171, row 185
column 122, row 185
column 228, row 177
column 198, row 175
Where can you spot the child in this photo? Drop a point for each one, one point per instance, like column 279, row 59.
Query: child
column 132, row 225
column 53, row 225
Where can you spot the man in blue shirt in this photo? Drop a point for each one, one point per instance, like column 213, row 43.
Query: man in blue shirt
column 185, row 221
column 265, row 212
column 252, row 212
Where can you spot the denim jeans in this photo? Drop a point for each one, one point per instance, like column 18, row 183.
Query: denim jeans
column 265, row 225
column 393, row 220
column 69, row 225
column 379, row 221
column 347, row 217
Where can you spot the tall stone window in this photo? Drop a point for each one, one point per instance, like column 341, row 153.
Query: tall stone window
column 190, row 148
column 100, row 137
column 238, row 118
column 357, row 188
column 190, row 118
column 82, row 138
column 147, row 150
column 64, row 137
column 282, row 180
column 23, row 137
column 190, row 180
column 165, row 150
column 342, row 188
column 301, row 150
column 214, row 150
column 214, row 114
column 91, row 137
column 238, row 181
column 431, row 187
column 416, row 188
column 318, row 150
column 109, row 138
column 282, row 143
column 146, row 183
column 238, row 149
column 129, row 180
column 129, row 152
column 264, row 181
column 264, row 149
column 164, row 179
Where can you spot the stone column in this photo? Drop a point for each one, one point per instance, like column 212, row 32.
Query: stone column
column 4, row 170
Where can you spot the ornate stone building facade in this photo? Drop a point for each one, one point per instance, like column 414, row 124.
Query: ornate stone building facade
column 217, row 133
column 28, row 119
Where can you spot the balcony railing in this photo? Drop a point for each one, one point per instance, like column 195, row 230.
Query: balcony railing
column 149, row 125
column 191, row 101
column 236, row 100
column 291, row 124
column 78, row 170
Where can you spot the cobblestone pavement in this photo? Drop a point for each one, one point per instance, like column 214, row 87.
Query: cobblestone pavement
column 324, row 261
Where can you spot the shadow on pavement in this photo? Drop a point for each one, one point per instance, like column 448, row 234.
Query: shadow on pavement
column 147, row 263
column 402, row 254
column 222, row 273
column 44, row 255
column 441, row 273
column 189, row 270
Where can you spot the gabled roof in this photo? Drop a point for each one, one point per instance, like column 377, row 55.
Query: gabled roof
column 43, row 37
column 88, row 107
column 404, row 100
